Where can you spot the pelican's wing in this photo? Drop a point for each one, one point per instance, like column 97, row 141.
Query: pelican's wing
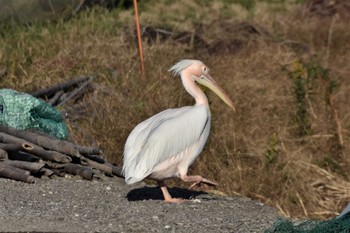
column 160, row 137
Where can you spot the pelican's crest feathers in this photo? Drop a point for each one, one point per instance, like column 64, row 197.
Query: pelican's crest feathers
column 180, row 66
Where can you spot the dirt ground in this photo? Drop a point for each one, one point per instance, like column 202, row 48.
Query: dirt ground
column 74, row 205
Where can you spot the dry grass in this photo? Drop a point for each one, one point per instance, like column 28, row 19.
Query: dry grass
column 256, row 152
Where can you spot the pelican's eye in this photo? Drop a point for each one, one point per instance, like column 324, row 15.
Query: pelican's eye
column 205, row 70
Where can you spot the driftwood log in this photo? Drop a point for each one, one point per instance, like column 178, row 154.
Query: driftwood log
column 25, row 155
column 43, row 141
column 76, row 92
column 29, row 166
column 61, row 93
column 35, row 149
column 10, row 146
column 76, row 169
column 15, row 173
column 59, row 87
column 100, row 166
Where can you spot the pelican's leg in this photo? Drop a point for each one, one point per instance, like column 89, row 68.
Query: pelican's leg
column 166, row 194
column 197, row 180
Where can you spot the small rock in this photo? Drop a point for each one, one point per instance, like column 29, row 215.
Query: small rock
column 196, row 200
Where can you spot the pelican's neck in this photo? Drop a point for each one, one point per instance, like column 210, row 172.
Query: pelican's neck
column 192, row 88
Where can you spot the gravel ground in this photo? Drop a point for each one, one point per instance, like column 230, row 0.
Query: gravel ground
column 108, row 205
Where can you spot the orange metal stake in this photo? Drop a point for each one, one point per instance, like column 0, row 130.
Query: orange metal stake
column 139, row 38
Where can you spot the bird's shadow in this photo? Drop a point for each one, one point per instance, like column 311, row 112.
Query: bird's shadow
column 154, row 193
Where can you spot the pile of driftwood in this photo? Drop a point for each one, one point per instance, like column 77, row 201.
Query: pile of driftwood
column 26, row 154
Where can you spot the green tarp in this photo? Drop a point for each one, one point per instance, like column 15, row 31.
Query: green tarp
column 23, row 111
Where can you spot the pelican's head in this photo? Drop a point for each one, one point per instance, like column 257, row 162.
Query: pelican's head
column 199, row 73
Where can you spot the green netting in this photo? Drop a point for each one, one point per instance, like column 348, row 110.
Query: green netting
column 23, row 111
column 336, row 225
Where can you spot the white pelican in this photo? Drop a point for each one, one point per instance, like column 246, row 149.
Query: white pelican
column 165, row 145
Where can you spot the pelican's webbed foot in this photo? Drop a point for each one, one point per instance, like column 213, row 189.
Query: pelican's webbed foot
column 197, row 180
